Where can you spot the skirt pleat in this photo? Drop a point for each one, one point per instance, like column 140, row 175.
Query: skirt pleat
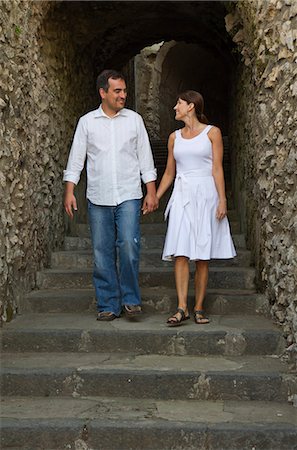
column 193, row 230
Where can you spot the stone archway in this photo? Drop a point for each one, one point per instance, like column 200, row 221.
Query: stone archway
column 165, row 69
column 191, row 66
column 53, row 50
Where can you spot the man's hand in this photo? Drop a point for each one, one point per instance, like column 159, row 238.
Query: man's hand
column 150, row 203
column 70, row 200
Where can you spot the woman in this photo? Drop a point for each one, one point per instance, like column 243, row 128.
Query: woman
column 198, row 227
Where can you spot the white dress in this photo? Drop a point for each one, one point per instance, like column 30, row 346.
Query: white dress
column 193, row 230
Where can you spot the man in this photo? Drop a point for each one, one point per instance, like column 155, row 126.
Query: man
column 115, row 142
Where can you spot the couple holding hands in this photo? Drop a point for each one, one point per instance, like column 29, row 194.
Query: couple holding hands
column 115, row 143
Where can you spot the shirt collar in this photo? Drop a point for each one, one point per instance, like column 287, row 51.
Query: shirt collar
column 100, row 113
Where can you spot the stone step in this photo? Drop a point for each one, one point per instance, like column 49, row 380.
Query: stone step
column 260, row 378
column 121, row 423
column 162, row 300
column 147, row 242
column 70, row 259
column 158, row 216
column 224, row 335
column 83, row 230
column 223, row 277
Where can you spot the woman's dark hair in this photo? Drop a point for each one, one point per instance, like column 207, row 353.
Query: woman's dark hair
column 103, row 77
column 197, row 99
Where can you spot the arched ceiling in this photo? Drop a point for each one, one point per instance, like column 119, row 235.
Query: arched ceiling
column 114, row 31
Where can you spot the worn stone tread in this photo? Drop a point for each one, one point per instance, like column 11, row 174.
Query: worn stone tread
column 104, row 434
column 166, row 269
column 147, row 241
column 129, row 361
column 149, row 258
column 227, row 335
column 146, row 322
column 111, row 408
column 226, row 277
column 145, row 376
column 145, row 290
column 159, row 226
column 145, row 251
column 154, row 299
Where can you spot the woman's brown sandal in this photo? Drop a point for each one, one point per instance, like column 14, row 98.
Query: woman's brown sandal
column 174, row 321
column 200, row 317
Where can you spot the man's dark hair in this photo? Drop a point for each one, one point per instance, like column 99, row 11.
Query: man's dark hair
column 103, row 77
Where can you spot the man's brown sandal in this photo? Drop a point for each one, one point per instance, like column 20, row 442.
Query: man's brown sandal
column 106, row 316
column 200, row 317
column 174, row 321
column 132, row 311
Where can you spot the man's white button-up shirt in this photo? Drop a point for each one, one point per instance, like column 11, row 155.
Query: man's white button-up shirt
column 118, row 156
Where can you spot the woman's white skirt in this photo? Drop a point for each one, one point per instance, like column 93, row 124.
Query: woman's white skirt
column 193, row 230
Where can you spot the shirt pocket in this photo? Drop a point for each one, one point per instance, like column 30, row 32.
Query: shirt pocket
column 126, row 139
column 99, row 140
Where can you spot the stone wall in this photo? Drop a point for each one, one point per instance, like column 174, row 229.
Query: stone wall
column 147, row 83
column 38, row 108
column 46, row 83
column 263, row 139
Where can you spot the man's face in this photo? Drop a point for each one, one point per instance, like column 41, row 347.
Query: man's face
column 115, row 98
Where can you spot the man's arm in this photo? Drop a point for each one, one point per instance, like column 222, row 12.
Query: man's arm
column 74, row 167
column 69, row 199
column 147, row 169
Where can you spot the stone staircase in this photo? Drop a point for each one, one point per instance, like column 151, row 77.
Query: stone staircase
column 70, row 382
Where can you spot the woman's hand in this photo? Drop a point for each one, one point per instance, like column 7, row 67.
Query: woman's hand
column 221, row 210
column 150, row 204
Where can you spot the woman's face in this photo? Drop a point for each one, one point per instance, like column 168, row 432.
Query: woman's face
column 181, row 109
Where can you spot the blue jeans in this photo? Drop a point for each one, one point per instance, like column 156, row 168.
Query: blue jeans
column 115, row 233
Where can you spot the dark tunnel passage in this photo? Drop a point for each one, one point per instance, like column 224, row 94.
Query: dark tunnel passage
column 110, row 35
